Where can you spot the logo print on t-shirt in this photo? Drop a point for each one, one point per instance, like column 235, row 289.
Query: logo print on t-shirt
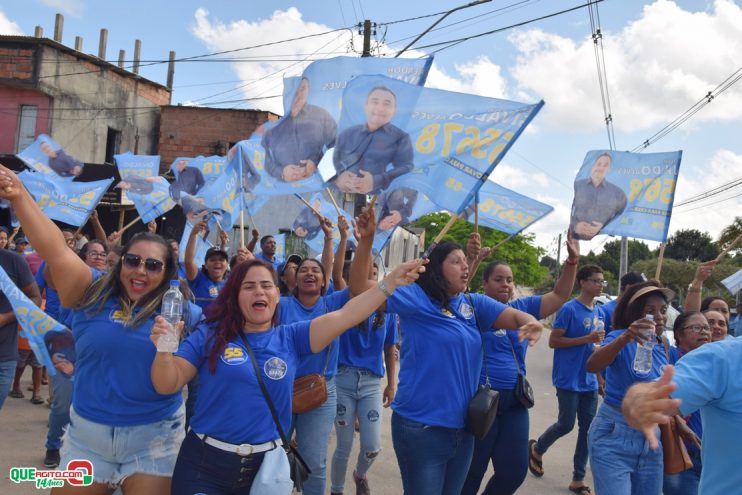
column 118, row 316
column 500, row 332
column 466, row 310
column 275, row 368
column 446, row 312
column 233, row 355
column 587, row 323
column 213, row 291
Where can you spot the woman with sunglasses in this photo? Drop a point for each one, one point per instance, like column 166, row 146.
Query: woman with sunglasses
column 620, row 457
column 118, row 421
column 441, row 361
column 233, row 431
column 209, row 280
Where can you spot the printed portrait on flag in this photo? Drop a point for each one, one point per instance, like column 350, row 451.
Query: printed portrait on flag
column 46, row 156
column 624, row 194
column 189, row 179
column 395, row 207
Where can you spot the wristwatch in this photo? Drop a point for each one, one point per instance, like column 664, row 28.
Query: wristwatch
column 384, row 288
column 693, row 289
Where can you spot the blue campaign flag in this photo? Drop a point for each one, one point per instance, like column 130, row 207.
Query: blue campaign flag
column 202, row 245
column 210, row 167
column 280, row 246
column 307, row 225
column 46, row 156
column 442, row 143
column 141, row 183
column 130, row 164
column 625, row 194
column 68, row 202
column 36, row 324
column 505, row 210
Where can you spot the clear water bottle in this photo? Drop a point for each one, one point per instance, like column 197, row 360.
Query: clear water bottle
column 643, row 357
column 599, row 326
column 172, row 311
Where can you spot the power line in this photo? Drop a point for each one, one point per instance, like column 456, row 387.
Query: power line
column 710, row 193
column 597, row 36
column 707, row 205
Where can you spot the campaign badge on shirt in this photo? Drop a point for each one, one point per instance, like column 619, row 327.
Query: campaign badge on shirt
column 500, row 332
column 233, row 355
column 466, row 311
column 213, row 291
column 587, row 323
column 118, row 316
column 448, row 313
column 275, row 368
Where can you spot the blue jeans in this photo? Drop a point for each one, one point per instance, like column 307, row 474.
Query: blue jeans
column 202, row 468
column 7, row 373
column 620, row 458
column 359, row 393
column 432, row 459
column 59, row 415
column 572, row 404
column 313, row 430
column 685, row 482
column 506, row 445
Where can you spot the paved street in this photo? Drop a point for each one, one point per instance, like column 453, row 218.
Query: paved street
column 23, row 432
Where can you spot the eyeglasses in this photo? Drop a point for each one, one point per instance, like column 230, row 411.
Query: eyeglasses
column 96, row 254
column 698, row 328
column 598, row 281
column 150, row 264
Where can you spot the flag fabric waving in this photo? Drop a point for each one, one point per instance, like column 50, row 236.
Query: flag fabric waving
column 46, row 156
column 141, row 183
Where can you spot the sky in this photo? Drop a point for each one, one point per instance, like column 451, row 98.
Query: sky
column 661, row 58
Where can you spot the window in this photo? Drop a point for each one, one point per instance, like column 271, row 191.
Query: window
column 26, row 127
column 113, row 143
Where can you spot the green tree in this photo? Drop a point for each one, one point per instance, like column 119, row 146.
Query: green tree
column 691, row 245
column 729, row 234
column 610, row 257
column 519, row 252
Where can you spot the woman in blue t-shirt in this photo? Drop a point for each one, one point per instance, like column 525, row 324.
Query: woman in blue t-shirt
column 118, row 422
column 233, row 430
column 441, row 361
column 209, row 280
column 620, row 457
column 506, row 444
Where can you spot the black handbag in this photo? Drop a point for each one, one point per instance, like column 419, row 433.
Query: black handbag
column 297, row 467
column 482, row 409
column 523, row 390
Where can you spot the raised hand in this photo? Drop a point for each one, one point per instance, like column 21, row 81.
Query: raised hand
column 530, row 331
column 473, row 246
column 11, row 186
column 343, row 226
column 573, row 248
column 366, row 224
column 163, row 326
column 648, row 404
column 405, row 273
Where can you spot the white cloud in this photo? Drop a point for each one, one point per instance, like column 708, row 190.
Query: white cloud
column 666, row 60
column 8, row 27
column 265, row 78
column 70, row 7
column 480, row 77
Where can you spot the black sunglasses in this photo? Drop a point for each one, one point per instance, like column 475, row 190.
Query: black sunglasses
column 150, row 264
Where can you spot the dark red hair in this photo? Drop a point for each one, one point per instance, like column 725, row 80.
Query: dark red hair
column 225, row 315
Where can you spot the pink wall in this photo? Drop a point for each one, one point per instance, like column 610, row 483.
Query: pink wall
column 11, row 100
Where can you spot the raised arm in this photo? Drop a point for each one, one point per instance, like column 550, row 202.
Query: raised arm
column 695, row 290
column 327, row 255
column 528, row 327
column 552, row 301
column 337, row 265
column 602, row 357
column 327, row 327
column 98, row 231
column 365, row 228
column 169, row 373
column 190, row 252
column 70, row 273
column 253, row 241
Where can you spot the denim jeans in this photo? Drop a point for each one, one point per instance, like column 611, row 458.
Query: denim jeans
column 59, row 415
column 581, row 405
column 313, row 430
column 202, row 468
column 506, row 445
column 685, row 482
column 7, row 373
column 432, row 460
column 620, row 458
column 359, row 393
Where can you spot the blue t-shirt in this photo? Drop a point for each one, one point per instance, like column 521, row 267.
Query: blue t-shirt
column 275, row 262
column 498, row 352
column 230, row 405
column 608, row 309
column 694, row 420
column 290, row 310
column 113, row 385
column 364, row 348
column 709, row 379
column 441, row 354
column 204, row 289
column 52, row 298
column 620, row 375
column 569, row 372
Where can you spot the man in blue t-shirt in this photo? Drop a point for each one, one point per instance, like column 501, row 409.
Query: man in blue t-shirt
column 268, row 251
column 572, row 339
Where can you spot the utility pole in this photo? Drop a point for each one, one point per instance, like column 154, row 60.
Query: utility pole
column 623, row 265
column 366, row 38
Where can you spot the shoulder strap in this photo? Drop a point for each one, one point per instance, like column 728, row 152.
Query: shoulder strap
column 481, row 336
column 512, row 348
column 266, row 396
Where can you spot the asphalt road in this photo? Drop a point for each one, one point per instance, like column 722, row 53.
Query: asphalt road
column 23, row 433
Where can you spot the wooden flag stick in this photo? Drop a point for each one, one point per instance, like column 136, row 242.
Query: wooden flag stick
column 372, row 203
column 242, row 228
column 334, row 203
column 729, row 247
column 501, row 243
column 476, row 214
column 440, row 235
column 123, row 229
column 310, row 206
column 659, row 261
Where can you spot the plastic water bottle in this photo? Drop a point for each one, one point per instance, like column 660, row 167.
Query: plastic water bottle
column 643, row 357
column 599, row 326
column 172, row 311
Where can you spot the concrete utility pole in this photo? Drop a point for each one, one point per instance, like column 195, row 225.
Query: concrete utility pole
column 366, row 38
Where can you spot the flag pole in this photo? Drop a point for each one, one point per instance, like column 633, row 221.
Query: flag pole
column 440, row 235
column 123, row 229
column 334, row 203
column 729, row 247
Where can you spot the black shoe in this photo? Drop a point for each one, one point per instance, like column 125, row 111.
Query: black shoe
column 51, row 460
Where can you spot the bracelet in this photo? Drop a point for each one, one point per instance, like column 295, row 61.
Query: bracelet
column 570, row 263
column 383, row 288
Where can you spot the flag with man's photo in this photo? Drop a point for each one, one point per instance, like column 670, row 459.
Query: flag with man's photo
column 307, row 223
column 625, row 194
column 141, row 183
column 46, row 156
column 441, row 143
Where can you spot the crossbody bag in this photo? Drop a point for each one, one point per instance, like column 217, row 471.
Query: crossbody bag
column 523, row 389
column 310, row 391
column 674, row 453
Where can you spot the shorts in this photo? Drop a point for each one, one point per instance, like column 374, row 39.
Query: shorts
column 120, row 451
column 26, row 356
